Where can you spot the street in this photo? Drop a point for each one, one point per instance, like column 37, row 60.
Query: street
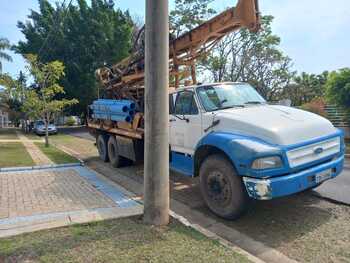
column 336, row 190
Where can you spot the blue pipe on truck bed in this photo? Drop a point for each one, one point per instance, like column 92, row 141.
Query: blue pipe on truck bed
column 116, row 110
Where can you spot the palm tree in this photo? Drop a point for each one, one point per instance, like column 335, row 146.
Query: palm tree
column 4, row 44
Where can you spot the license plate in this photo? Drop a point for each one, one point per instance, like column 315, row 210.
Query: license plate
column 323, row 176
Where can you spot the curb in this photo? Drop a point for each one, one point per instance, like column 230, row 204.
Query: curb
column 41, row 167
column 21, row 225
column 214, row 236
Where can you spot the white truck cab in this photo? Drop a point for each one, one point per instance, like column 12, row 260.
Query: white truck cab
column 243, row 148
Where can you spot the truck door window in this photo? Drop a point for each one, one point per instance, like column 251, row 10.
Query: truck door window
column 186, row 104
column 171, row 104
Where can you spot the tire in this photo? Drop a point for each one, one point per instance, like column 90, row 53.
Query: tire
column 101, row 144
column 222, row 189
column 113, row 153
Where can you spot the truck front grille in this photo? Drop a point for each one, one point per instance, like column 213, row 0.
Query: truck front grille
column 313, row 152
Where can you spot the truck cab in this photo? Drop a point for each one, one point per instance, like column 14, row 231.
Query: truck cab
column 242, row 148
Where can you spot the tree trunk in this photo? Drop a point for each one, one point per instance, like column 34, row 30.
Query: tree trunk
column 46, row 133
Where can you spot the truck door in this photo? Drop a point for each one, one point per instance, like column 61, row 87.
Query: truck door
column 185, row 123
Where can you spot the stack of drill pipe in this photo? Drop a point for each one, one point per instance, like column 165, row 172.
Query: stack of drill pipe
column 115, row 110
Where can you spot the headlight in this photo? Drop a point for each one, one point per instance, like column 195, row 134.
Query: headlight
column 267, row 163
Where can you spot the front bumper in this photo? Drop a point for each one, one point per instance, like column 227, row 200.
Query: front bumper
column 38, row 132
column 266, row 189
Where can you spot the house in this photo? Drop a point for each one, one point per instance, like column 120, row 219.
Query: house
column 4, row 118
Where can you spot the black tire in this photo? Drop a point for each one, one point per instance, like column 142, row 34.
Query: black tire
column 101, row 143
column 113, row 153
column 222, row 189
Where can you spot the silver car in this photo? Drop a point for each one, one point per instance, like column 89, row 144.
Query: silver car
column 39, row 128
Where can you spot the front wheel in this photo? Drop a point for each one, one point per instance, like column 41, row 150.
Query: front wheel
column 222, row 189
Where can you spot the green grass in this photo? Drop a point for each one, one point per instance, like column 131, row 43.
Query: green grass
column 56, row 155
column 120, row 240
column 8, row 134
column 14, row 154
column 83, row 146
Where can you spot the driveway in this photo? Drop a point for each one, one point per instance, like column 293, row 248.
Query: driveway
column 37, row 199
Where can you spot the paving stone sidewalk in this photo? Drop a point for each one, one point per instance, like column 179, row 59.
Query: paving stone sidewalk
column 39, row 199
column 37, row 155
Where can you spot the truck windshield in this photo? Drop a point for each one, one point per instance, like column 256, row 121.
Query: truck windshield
column 226, row 96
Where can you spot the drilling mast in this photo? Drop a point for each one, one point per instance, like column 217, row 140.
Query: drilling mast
column 184, row 50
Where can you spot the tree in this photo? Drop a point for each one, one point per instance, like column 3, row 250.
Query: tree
column 188, row 14
column 13, row 95
column 305, row 88
column 251, row 57
column 84, row 37
column 338, row 87
column 41, row 101
column 4, row 44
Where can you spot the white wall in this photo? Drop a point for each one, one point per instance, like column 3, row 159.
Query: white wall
column 3, row 119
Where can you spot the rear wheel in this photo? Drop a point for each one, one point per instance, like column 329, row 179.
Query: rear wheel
column 101, row 143
column 222, row 189
column 113, row 153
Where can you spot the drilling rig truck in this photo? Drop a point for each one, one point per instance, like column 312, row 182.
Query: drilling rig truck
column 241, row 147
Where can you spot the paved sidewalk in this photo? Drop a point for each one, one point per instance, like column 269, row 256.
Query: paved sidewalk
column 37, row 155
column 33, row 200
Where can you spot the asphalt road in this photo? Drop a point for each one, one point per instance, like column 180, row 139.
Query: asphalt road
column 337, row 190
column 80, row 132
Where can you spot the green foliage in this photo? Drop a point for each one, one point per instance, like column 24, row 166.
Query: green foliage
column 41, row 102
column 188, row 14
column 70, row 121
column 12, row 96
column 84, row 37
column 4, row 45
column 338, row 87
column 251, row 57
column 305, row 88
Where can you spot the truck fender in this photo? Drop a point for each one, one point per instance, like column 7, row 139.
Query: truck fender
column 241, row 150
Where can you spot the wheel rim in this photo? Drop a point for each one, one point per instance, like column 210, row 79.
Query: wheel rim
column 219, row 189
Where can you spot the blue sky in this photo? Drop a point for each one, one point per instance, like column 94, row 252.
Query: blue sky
column 314, row 33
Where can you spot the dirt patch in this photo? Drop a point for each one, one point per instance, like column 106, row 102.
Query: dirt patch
column 302, row 227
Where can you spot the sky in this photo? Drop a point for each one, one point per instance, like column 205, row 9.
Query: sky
column 315, row 34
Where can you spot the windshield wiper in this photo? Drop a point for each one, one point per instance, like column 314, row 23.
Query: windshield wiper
column 254, row 103
column 230, row 107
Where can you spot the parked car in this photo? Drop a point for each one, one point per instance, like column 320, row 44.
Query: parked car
column 39, row 128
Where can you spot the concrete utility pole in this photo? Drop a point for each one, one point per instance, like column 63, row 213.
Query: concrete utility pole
column 156, row 171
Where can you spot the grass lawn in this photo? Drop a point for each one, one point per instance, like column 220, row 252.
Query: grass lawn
column 8, row 134
column 120, row 240
column 13, row 154
column 55, row 155
column 86, row 147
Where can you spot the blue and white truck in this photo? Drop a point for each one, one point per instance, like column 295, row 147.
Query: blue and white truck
column 241, row 147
